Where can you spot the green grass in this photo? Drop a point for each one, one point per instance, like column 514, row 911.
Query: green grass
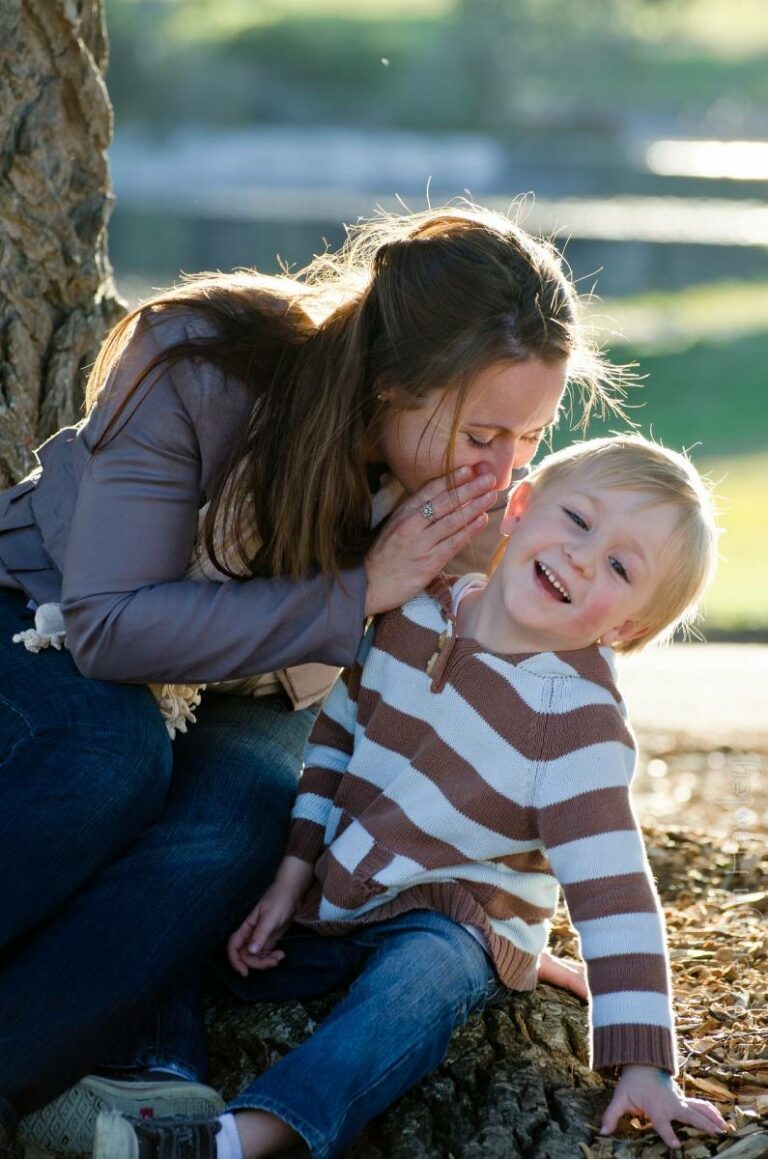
column 739, row 595
column 701, row 358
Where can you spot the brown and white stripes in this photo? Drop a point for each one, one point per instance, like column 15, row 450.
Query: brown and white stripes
column 474, row 789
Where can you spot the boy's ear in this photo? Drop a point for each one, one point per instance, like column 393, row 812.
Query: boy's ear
column 629, row 630
column 516, row 506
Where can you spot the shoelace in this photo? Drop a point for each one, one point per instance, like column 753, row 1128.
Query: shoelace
column 179, row 1139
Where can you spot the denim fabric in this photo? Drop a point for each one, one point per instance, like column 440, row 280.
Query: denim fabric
column 414, row 979
column 170, row 1037
column 124, row 861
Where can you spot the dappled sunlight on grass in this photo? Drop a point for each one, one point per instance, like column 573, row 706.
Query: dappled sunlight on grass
column 739, row 595
column 659, row 320
column 199, row 19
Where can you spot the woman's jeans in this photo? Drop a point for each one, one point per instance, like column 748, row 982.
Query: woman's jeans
column 414, row 979
column 124, row 859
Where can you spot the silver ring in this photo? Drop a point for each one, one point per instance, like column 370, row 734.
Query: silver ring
column 428, row 511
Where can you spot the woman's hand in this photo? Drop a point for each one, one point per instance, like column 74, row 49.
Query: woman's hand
column 653, row 1092
column 413, row 547
column 564, row 972
column 252, row 946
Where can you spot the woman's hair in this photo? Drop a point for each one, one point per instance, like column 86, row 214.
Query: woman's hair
column 633, row 463
column 409, row 304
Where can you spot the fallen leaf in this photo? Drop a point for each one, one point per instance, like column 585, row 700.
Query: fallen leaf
column 715, row 1090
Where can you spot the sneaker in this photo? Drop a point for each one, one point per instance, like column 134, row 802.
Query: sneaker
column 66, row 1125
column 117, row 1137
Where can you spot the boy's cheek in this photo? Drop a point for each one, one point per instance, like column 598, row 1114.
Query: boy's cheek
column 596, row 617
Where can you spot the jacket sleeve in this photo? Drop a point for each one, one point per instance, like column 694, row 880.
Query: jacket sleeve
column 329, row 749
column 596, row 851
column 130, row 613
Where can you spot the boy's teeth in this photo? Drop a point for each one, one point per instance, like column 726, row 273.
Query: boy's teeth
column 555, row 582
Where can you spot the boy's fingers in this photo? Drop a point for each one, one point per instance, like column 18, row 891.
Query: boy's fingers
column 244, row 931
column 263, row 941
column 267, row 937
column 619, row 1105
column 234, row 950
column 666, row 1134
column 611, row 1117
column 252, row 957
column 267, row 961
column 710, row 1111
column 706, row 1117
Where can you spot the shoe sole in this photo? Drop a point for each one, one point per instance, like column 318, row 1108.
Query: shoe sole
column 66, row 1126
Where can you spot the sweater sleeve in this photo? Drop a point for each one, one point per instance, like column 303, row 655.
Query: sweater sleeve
column 130, row 613
column 329, row 749
column 596, row 851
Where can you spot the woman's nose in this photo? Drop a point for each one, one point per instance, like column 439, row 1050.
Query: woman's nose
column 505, row 461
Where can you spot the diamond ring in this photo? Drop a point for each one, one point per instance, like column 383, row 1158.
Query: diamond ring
column 428, row 511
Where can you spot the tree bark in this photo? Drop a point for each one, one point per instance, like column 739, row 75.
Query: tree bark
column 57, row 295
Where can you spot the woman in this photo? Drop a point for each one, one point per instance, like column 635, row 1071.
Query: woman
column 217, row 517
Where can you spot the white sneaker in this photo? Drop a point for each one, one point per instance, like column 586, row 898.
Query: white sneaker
column 66, row 1125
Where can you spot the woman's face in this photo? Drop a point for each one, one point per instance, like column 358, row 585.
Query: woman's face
column 507, row 412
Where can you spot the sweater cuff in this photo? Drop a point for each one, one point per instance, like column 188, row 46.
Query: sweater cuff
column 633, row 1045
column 305, row 840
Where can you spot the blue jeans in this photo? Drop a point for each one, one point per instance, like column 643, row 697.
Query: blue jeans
column 124, row 860
column 414, row 980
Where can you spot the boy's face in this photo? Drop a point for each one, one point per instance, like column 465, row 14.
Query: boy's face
column 583, row 562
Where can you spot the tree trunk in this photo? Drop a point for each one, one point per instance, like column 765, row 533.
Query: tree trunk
column 57, row 296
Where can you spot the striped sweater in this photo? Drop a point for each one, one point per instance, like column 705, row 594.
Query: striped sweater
column 442, row 775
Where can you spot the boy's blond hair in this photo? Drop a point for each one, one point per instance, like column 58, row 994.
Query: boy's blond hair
column 633, row 463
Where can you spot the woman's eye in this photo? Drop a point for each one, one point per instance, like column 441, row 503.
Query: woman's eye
column 477, row 442
column 619, row 568
column 534, row 437
column 576, row 519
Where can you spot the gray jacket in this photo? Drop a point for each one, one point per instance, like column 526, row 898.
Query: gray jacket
column 110, row 535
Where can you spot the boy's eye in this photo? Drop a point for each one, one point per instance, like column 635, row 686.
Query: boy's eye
column 477, row 442
column 619, row 568
column 576, row 519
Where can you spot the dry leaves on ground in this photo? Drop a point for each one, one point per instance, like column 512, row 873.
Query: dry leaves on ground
column 715, row 896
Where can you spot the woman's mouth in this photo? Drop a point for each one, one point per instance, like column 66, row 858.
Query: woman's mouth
column 550, row 583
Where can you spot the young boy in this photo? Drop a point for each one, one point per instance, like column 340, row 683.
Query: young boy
column 475, row 756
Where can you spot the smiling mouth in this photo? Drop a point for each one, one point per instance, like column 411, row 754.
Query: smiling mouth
column 551, row 583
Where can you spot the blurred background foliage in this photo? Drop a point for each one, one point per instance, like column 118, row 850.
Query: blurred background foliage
column 501, row 65
column 247, row 129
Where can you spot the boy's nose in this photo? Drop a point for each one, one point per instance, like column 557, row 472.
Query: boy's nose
column 581, row 558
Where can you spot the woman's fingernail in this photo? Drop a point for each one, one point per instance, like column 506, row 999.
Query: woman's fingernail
column 487, row 480
column 463, row 472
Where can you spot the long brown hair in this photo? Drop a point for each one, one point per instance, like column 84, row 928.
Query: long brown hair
column 410, row 304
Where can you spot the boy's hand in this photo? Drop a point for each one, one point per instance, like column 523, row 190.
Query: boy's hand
column 252, row 946
column 565, row 972
column 653, row 1092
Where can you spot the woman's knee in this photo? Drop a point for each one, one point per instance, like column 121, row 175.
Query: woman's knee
column 128, row 751
column 106, row 743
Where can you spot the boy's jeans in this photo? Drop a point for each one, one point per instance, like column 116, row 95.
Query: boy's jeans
column 124, row 861
column 414, row 979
